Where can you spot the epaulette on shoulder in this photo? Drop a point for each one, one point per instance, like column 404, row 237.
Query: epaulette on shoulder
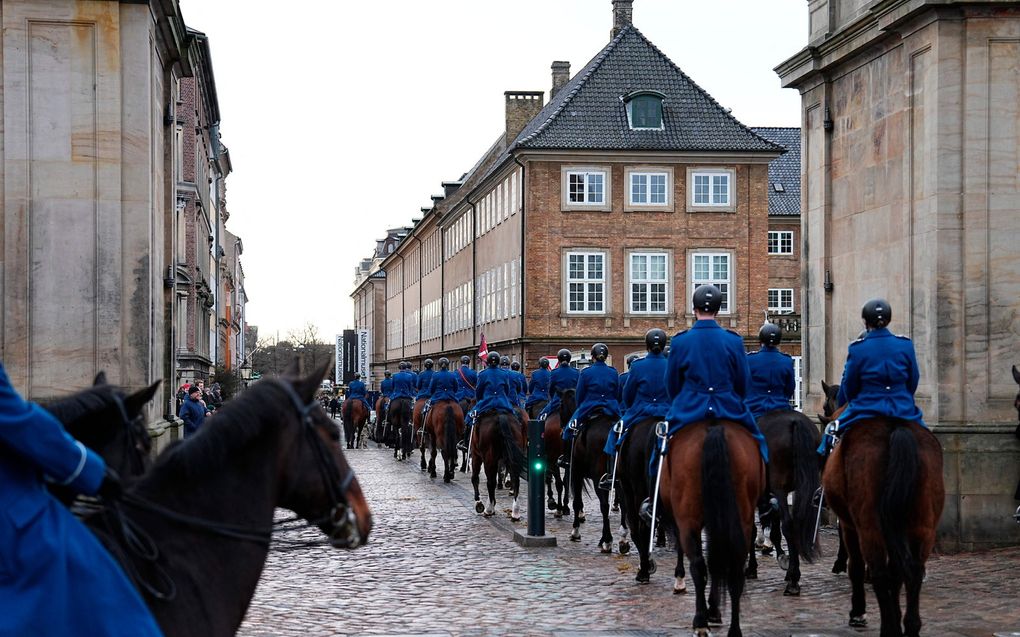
column 857, row 342
column 735, row 334
column 753, row 352
column 680, row 332
column 903, row 336
column 785, row 354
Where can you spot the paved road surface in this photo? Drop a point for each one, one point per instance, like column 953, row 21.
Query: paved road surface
column 433, row 567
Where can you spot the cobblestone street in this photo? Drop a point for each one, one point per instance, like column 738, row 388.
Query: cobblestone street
column 434, row 567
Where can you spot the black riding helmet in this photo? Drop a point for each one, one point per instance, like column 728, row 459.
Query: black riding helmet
column 444, row 363
column 465, row 360
column 599, row 352
column 631, row 359
column 543, row 362
column 876, row 313
column 387, row 373
column 515, row 366
column 655, row 340
column 563, row 355
column 770, row 334
column 708, row 299
column 493, row 359
column 428, row 363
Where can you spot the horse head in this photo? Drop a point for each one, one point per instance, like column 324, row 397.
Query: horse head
column 568, row 405
column 316, row 481
column 831, row 396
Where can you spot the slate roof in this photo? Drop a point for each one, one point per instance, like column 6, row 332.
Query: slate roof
column 784, row 170
column 588, row 113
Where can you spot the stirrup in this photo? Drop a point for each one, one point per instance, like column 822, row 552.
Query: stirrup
column 606, row 482
column 766, row 511
column 462, row 446
column 563, row 462
column 645, row 511
column 1016, row 516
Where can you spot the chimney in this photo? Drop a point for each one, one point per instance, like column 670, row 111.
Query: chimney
column 623, row 16
column 560, row 77
column 521, row 108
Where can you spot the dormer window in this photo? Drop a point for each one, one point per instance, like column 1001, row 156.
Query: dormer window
column 644, row 110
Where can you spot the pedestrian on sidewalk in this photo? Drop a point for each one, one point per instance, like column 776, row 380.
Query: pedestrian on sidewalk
column 334, row 404
column 193, row 411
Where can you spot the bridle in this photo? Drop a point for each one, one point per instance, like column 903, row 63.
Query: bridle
column 343, row 527
column 133, row 452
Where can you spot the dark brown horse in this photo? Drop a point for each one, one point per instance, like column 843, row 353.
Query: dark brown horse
column 202, row 516
column 535, row 409
column 355, row 416
column 590, row 462
column 712, row 477
column 466, row 405
column 497, row 438
column 793, row 473
column 381, row 407
column 418, row 427
column 1016, row 404
column 829, row 408
column 884, row 481
column 553, row 436
column 398, row 430
column 443, row 428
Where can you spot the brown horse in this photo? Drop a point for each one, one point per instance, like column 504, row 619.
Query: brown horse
column 553, row 436
column 1016, row 404
column 398, row 430
column 443, row 428
column 355, row 416
column 830, row 407
column 497, row 437
column 590, row 462
column 884, row 481
column 712, row 477
column 466, row 405
column 381, row 406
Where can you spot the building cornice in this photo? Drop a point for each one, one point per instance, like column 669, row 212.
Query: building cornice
column 648, row 157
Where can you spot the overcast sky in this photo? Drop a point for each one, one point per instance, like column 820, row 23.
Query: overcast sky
column 343, row 117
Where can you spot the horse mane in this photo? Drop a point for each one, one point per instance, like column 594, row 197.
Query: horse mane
column 234, row 425
column 68, row 409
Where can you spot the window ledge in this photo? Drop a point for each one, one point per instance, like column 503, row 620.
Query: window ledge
column 730, row 208
column 580, row 207
column 636, row 207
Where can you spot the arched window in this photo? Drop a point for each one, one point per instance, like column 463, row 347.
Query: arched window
column 644, row 110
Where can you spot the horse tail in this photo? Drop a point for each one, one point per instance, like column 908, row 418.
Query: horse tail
column 514, row 456
column 449, row 433
column 568, row 405
column 806, row 480
column 348, row 407
column 727, row 543
column 897, row 496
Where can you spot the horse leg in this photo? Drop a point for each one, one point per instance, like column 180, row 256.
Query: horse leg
column 714, row 600
column 736, row 586
column 679, row 586
column 751, row 572
column 479, row 507
column 839, row 566
column 606, row 542
column 912, row 619
column 624, row 529
column 642, row 538
column 887, row 590
column 776, row 534
column 550, row 500
column 491, row 471
column 699, row 575
column 576, row 482
column 855, row 563
column 432, row 458
column 791, row 530
column 561, row 495
column 515, row 488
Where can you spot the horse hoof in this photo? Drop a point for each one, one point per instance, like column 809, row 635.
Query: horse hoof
column 446, row 479
column 558, row 515
column 766, row 550
column 642, row 577
column 751, row 573
column 839, row 567
column 605, row 547
column 551, row 505
column 488, row 515
column 792, row 590
column 714, row 617
column 679, row 586
column 479, row 507
column 859, row 622
column 784, row 561
column 575, row 535
column 615, row 508
column 581, row 518
column 515, row 518
column 624, row 548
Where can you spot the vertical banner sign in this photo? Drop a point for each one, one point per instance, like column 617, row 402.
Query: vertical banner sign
column 365, row 355
column 338, row 355
column 350, row 356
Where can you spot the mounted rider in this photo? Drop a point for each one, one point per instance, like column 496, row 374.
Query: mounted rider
column 444, row 384
column 467, row 382
column 538, row 386
column 645, row 394
column 61, row 580
column 597, row 388
column 561, row 379
column 772, row 380
column 623, row 380
column 495, row 389
column 385, row 390
column 403, row 383
column 881, row 372
column 521, row 382
column 422, row 384
column 356, row 391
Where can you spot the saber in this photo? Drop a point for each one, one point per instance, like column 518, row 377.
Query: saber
column 818, row 517
column 618, row 430
column 661, row 430
column 572, row 426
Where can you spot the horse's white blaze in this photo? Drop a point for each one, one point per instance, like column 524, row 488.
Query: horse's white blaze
column 679, row 585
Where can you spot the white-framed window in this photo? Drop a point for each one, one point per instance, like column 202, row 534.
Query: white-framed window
column 649, row 282
column 586, row 187
column 586, row 282
column 711, row 189
column 648, row 189
column 714, row 268
column 781, row 300
column 780, row 242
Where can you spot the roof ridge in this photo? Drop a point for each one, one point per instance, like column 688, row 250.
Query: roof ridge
column 700, row 89
column 594, row 64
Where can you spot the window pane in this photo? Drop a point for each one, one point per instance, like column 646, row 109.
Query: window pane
column 721, row 267
column 638, row 267
column 638, row 188
column 720, row 189
column 657, row 189
column 576, row 187
column 658, row 267
column 725, row 289
column 576, row 266
column 701, row 189
column 700, row 267
column 595, row 186
column 595, row 266
column 594, row 297
column 646, row 112
column 657, row 297
column 638, row 297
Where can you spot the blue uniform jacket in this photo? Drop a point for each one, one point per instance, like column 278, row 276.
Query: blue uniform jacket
column 467, row 381
column 494, row 391
column 443, row 386
column 403, row 385
column 520, row 385
column 706, row 376
column 357, row 390
column 772, row 381
column 596, row 390
column 623, row 383
column 538, row 387
column 386, row 387
column 562, row 378
column 193, row 414
column 423, row 382
column 880, row 379
column 644, row 396
column 55, row 576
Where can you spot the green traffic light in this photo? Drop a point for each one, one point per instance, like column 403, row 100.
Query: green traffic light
column 539, row 465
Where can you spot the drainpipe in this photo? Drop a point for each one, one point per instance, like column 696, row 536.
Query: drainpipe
column 403, row 309
column 442, row 289
column 474, row 265
column 421, row 284
column 524, row 252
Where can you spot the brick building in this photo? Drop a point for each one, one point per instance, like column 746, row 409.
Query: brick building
column 590, row 218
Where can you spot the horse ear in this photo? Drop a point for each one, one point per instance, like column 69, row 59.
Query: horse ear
column 825, row 387
column 101, row 378
column 1016, row 375
column 294, row 368
column 308, row 386
column 137, row 401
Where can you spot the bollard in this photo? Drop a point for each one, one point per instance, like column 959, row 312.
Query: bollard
column 536, row 489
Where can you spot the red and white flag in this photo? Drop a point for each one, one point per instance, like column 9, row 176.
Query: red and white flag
column 483, row 349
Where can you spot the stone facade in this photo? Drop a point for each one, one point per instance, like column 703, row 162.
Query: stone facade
column 911, row 190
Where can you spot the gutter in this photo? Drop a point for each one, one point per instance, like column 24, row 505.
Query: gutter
column 421, row 284
column 403, row 310
column 524, row 252
column 474, row 266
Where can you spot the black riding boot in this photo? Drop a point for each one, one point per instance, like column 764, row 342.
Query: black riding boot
column 768, row 505
column 463, row 444
column 564, row 460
